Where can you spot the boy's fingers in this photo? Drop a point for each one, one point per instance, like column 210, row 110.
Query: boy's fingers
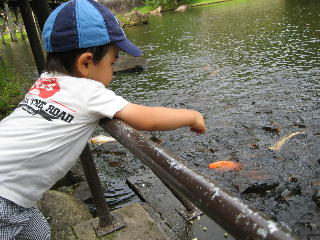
column 198, row 131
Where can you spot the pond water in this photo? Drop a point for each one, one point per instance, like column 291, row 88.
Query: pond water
column 252, row 67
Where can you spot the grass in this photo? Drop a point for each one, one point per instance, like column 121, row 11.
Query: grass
column 191, row 3
column 122, row 19
column 200, row 2
column 147, row 9
column 8, row 38
column 10, row 90
column 144, row 9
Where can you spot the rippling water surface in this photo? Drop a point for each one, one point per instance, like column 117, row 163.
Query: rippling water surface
column 249, row 66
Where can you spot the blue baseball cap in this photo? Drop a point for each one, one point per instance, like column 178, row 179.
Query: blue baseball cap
column 82, row 24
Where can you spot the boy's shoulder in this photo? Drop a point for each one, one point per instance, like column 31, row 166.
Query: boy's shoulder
column 49, row 84
column 47, row 78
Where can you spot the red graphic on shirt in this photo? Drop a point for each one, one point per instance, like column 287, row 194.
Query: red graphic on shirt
column 45, row 87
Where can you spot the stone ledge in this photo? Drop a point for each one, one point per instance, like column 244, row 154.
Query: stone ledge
column 139, row 225
column 70, row 219
column 63, row 211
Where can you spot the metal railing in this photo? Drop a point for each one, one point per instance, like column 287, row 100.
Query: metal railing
column 237, row 218
column 107, row 222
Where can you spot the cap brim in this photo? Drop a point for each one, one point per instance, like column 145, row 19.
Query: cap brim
column 128, row 47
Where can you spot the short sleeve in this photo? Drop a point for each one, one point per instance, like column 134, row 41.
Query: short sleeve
column 103, row 102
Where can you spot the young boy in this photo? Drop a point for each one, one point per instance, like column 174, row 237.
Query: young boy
column 43, row 137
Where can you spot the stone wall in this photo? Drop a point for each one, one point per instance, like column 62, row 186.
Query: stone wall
column 121, row 6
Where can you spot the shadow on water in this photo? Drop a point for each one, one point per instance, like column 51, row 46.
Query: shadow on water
column 252, row 67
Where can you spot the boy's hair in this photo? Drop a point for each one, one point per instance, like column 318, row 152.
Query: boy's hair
column 64, row 62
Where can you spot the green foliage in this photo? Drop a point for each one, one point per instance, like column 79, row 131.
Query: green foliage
column 157, row 3
column 9, row 90
column 19, row 36
column 143, row 9
column 122, row 19
column 199, row 2
column 150, row 5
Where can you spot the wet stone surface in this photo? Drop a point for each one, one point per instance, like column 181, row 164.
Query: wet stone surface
column 316, row 195
column 259, row 186
column 164, row 207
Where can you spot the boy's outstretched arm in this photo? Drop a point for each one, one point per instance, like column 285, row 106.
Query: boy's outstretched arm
column 160, row 118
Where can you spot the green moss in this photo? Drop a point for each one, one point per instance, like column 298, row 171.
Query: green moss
column 123, row 20
column 143, row 9
column 169, row 5
column 8, row 38
column 200, row 2
column 10, row 90
column 110, row 236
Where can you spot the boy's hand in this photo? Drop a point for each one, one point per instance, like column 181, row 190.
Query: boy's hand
column 160, row 118
column 199, row 125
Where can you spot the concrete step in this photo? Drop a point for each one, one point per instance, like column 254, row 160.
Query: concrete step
column 70, row 219
column 164, row 207
column 138, row 225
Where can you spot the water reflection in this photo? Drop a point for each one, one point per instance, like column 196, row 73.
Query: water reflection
column 245, row 65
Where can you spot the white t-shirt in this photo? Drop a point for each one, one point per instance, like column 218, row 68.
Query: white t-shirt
column 43, row 137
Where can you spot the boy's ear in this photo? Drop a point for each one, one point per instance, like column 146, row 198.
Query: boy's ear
column 82, row 64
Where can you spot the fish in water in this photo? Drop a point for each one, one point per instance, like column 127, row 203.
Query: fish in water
column 283, row 140
column 101, row 139
column 225, row 165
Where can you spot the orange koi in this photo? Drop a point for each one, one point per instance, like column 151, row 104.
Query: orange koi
column 225, row 165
